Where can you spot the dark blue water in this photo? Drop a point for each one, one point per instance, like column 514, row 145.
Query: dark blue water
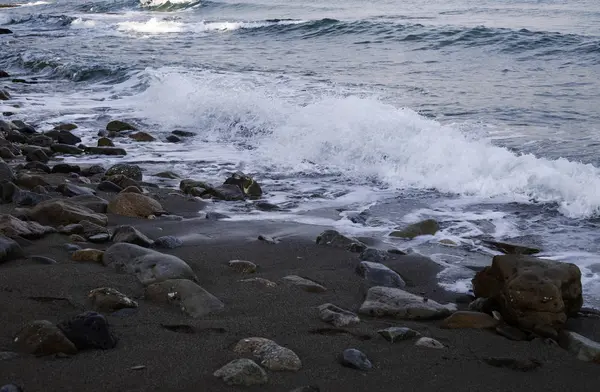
column 481, row 114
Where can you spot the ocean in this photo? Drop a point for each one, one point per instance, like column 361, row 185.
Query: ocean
column 363, row 116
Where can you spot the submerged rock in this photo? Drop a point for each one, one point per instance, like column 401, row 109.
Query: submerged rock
column 512, row 249
column 426, row 227
column 271, row 355
column 142, row 137
column 335, row 239
column 119, row 126
column 105, row 151
column 9, row 249
column 523, row 365
column 337, row 316
column 244, row 372
column 185, row 295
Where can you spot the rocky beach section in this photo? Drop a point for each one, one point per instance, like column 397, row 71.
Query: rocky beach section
column 110, row 282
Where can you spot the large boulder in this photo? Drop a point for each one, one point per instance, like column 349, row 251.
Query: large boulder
column 400, row 304
column 135, row 205
column 185, row 295
column 148, row 265
column 132, row 171
column 62, row 212
column 247, row 185
column 534, row 294
column 426, row 227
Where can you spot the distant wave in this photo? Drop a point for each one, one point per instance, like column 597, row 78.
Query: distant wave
column 163, row 5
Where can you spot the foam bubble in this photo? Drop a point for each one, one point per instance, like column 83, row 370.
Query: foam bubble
column 81, row 23
column 152, row 26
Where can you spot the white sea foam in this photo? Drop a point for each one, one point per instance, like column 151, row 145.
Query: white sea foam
column 153, row 26
column 34, row 3
column 81, row 23
column 158, row 3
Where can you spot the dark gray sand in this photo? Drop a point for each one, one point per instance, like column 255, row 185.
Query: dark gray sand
column 185, row 359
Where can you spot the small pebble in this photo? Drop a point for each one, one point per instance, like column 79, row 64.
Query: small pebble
column 355, row 359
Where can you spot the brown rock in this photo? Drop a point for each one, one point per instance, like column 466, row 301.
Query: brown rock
column 534, row 294
column 121, row 180
column 92, row 255
column 464, row 319
column 76, row 238
column 105, row 142
column 109, row 299
column 243, row 266
column 142, row 137
column 43, row 338
column 63, row 212
column 134, row 205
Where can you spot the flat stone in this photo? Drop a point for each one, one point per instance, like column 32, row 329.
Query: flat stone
column 130, row 234
column 70, row 190
column 243, row 266
column 244, row 372
column 77, row 238
column 512, row 249
column 393, row 334
column 90, row 229
column 430, row 343
column 167, row 242
column 30, row 181
column 426, row 227
column 337, row 316
column 42, row 260
column 135, row 205
column 99, row 238
column 181, row 133
column 465, row 319
column 88, row 330
column 304, row 284
column 91, row 255
column 148, row 265
column 13, row 227
column 66, row 149
column 73, row 228
column 41, row 337
column 185, row 295
column 62, row 212
column 271, row 355
column 262, row 281
column 65, row 127
column 393, row 302
column 107, row 299
column 121, row 180
column 583, row 348
column 355, row 359
column 379, row 275
column 167, row 174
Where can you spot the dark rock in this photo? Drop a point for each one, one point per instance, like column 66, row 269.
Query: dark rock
column 66, row 149
column 99, row 238
column 90, row 229
column 337, row 316
column 105, row 142
column 429, row 343
column 215, row 216
column 119, row 126
column 243, row 266
column 142, row 137
column 393, row 302
column 37, row 155
column 379, row 275
column 534, row 294
column 173, row 139
column 30, row 181
column 247, row 185
column 9, row 249
column 121, row 180
column 264, row 238
column 73, row 228
column 167, row 174
column 8, row 355
column 226, row 192
column 92, row 170
column 64, row 137
column 133, row 189
column 374, row 255
column 40, row 140
column 8, row 190
column 65, row 127
column 43, row 338
column 185, row 295
column 94, row 203
column 13, row 227
column 6, row 173
column 25, row 128
column 42, row 260
column 28, row 199
column 15, row 137
column 335, row 239
column 105, row 151
column 355, row 359
column 307, row 388
column 38, row 166
column 183, row 133
column 244, row 372
column 107, row 299
column 88, row 255
column 5, row 31
column 131, row 235
column 6, row 153
column 72, row 247
column 583, row 348
column 62, row 212
column 264, row 206
column 70, row 190
column 65, row 168
column 167, row 242
column 4, row 95
column 426, row 227
column 107, row 186
column 88, row 330
column 511, row 332
column 186, row 185
column 135, row 205
column 4, row 74
column 148, row 265
column 512, row 249
column 523, row 365
column 132, row 171
column 393, row 334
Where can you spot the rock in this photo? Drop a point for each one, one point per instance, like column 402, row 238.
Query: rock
column 107, row 186
column 167, row 174
column 263, row 238
column 186, row 185
column 64, row 137
column 183, row 133
column 38, row 166
column 148, row 265
column 379, row 275
column 90, row 229
column 304, row 284
column 134, row 205
column 119, row 126
column 243, row 266
column 484, row 305
column 355, row 359
column 4, row 95
column 335, row 239
column 583, row 348
column 37, row 155
column 40, row 140
column 42, row 260
column 28, row 199
column 94, row 203
column 523, row 365
column 8, row 191
column 264, row 282
column 107, row 299
column 142, row 137
column 41, row 337
column 244, row 372
column 77, row 238
column 264, row 206
column 105, row 142
column 226, row 192
column 9, row 250
column 65, row 127
column 13, row 227
column 337, row 316
column 173, row 139
column 167, row 242
column 11, row 388
column 6, row 153
column 121, row 180
column 307, row 388
column 4, row 74
column 6, row 173
column 5, row 31
column 66, row 149
column 73, row 228
column 70, row 190
column 88, row 255
column 8, row 355
column 393, row 302
column 534, row 294
column 393, row 334
column 132, row 189
column 92, row 170
column 15, row 136
column 464, row 319
column 131, row 235
column 511, row 332
column 374, row 255
column 62, row 212
column 247, row 185
column 448, row 242
column 430, row 343
column 99, row 238
column 185, row 295
column 29, row 181
column 426, row 227
column 65, row 168
column 271, row 355
column 105, row 151
column 88, row 330
column 132, row 171
column 512, row 249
